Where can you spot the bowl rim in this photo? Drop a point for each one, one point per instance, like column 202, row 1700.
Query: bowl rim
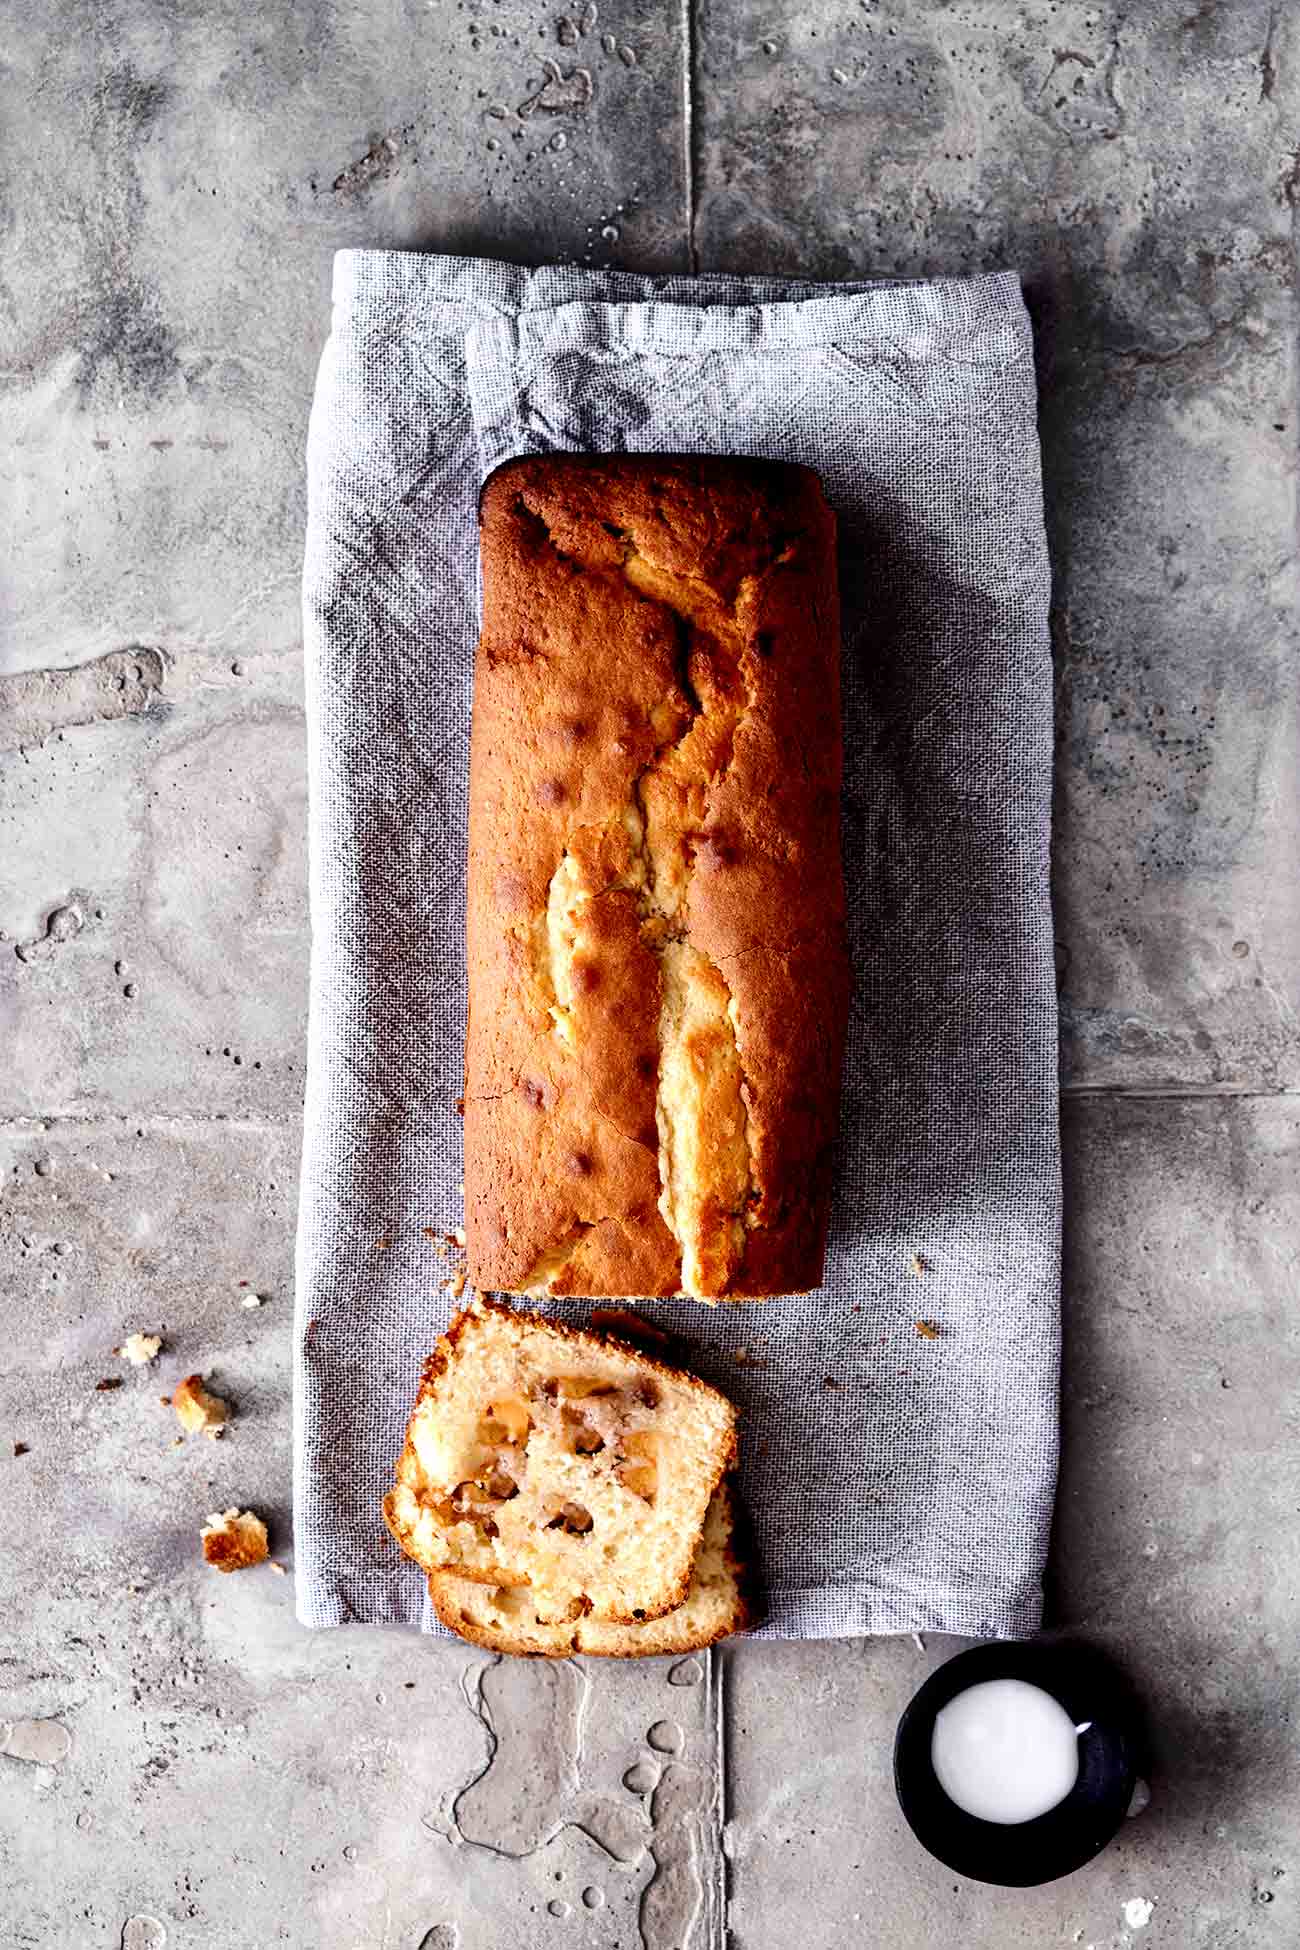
column 1024, row 1854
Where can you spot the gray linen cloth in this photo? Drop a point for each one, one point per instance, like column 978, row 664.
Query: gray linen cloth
column 897, row 1479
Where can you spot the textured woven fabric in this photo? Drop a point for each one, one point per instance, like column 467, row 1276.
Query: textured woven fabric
column 897, row 1479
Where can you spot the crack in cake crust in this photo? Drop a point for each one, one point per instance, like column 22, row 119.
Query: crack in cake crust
column 672, row 660
column 700, row 1098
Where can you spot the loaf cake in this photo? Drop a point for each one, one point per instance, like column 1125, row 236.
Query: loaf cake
column 657, row 973
column 505, row 1620
column 568, row 1461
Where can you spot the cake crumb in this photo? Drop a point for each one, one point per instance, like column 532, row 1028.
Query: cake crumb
column 829, row 1381
column 927, row 1330
column 430, row 1232
column 459, row 1235
column 234, row 1539
column 382, row 1245
column 279, row 1569
column 251, row 1300
column 920, row 1265
column 197, row 1410
column 630, row 1324
column 20, row 1449
column 456, row 1285
column 109, row 1381
column 140, row 1349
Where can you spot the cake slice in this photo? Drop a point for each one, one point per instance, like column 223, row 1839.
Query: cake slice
column 504, row 1620
column 550, row 1456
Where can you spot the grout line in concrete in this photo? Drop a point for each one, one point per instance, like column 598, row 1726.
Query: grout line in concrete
column 1177, row 1092
column 688, row 129
column 288, row 1120
column 146, row 1120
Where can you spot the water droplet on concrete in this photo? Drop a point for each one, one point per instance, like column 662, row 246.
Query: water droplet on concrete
column 143, row 1933
column 493, row 143
column 592, row 1898
column 443, row 1936
column 609, row 232
column 687, row 1672
column 770, row 47
column 42, row 1167
column 559, row 140
column 64, row 923
column 556, row 1907
column 129, row 990
column 665, row 1736
column 350, row 1852
column 643, row 1778
column 43, row 1742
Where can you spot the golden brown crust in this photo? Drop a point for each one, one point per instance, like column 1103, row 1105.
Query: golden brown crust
column 655, row 760
column 234, row 1539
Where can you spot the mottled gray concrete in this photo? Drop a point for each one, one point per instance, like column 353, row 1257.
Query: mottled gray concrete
column 178, row 1762
column 1137, row 165
column 1177, row 1542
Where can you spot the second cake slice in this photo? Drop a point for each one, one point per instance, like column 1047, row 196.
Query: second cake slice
column 544, row 1455
column 715, row 1607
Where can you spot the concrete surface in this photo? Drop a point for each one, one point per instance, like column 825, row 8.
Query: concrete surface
column 178, row 1762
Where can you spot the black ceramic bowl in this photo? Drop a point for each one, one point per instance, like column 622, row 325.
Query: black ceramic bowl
column 1022, row 1853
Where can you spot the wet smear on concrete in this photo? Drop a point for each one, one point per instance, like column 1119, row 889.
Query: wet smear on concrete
column 124, row 346
column 614, row 1826
column 62, row 923
column 532, row 1715
column 530, row 1790
column 681, row 1815
column 35, row 703
column 378, row 163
